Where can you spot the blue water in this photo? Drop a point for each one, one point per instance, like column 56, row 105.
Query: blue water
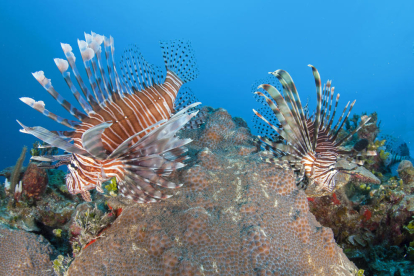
column 365, row 47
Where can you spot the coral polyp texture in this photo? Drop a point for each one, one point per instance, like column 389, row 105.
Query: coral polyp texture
column 234, row 215
column 24, row 253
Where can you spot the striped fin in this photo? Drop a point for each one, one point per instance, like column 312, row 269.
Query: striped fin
column 281, row 119
column 51, row 158
column 353, row 132
column 52, row 139
column 87, row 56
column 92, row 140
column 283, row 107
column 94, row 42
column 40, row 106
column 325, row 94
column 328, row 128
column 137, row 72
column 145, row 186
column 262, row 127
column 328, row 114
column 146, row 162
column 63, row 66
column 124, row 147
column 280, row 147
column 288, row 85
column 47, row 84
column 168, row 130
column 281, row 132
column 70, row 57
column 132, row 191
column 179, row 58
column 95, row 45
column 318, row 105
column 113, row 75
column 342, row 124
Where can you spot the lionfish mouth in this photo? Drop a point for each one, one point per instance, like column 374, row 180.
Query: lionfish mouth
column 310, row 145
column 127, row 127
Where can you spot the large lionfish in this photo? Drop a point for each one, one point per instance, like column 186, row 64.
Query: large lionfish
column 310, row 146
column 128, row 126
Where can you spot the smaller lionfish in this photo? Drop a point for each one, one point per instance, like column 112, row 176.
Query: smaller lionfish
column 127, row 127
column 310, row 146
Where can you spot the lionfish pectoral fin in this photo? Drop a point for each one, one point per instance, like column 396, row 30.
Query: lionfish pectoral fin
column 52, row 139
column 146, row 162
column 99, row 189
column 86, row 195
column 167, row 130
column 184, row 98
column 124, row 146
column 92, row 140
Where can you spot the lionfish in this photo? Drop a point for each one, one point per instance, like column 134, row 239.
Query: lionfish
column 127, row 127
column 309, row 145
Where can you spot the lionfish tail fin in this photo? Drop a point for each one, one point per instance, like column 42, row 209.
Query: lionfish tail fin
column 179, row 58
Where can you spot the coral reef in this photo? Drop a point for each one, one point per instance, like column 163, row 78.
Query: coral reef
column 86, row 226
column 406, row 171
column 23, row 253
column 220, row 131
column 234, row 215
column 34, row 182
column 368, row 223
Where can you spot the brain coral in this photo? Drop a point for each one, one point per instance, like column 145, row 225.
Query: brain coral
column 24, row 253
column 234, row 216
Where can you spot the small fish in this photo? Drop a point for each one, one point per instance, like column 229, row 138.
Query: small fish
column 128, row 123
column 310, row 146
column 361, row 145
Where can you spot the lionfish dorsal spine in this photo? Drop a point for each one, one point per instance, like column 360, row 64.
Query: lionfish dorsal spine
column 318, row 105
column 70, row 57
column 88, row 55
column 328, row 128
column 63, row 66
column 285, row 78
column 301, row 128
column 328, row 114
column 40, row 106
column 47, row 85
column 325, row 94
column 343, row 121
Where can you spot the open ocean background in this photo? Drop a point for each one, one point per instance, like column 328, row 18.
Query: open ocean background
column 365, row 47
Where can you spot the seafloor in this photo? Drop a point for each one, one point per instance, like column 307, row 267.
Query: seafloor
column 234, row 215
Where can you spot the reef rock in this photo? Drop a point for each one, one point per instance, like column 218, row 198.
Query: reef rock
column 234, row 215
column 24, row 253
column 406, row 171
